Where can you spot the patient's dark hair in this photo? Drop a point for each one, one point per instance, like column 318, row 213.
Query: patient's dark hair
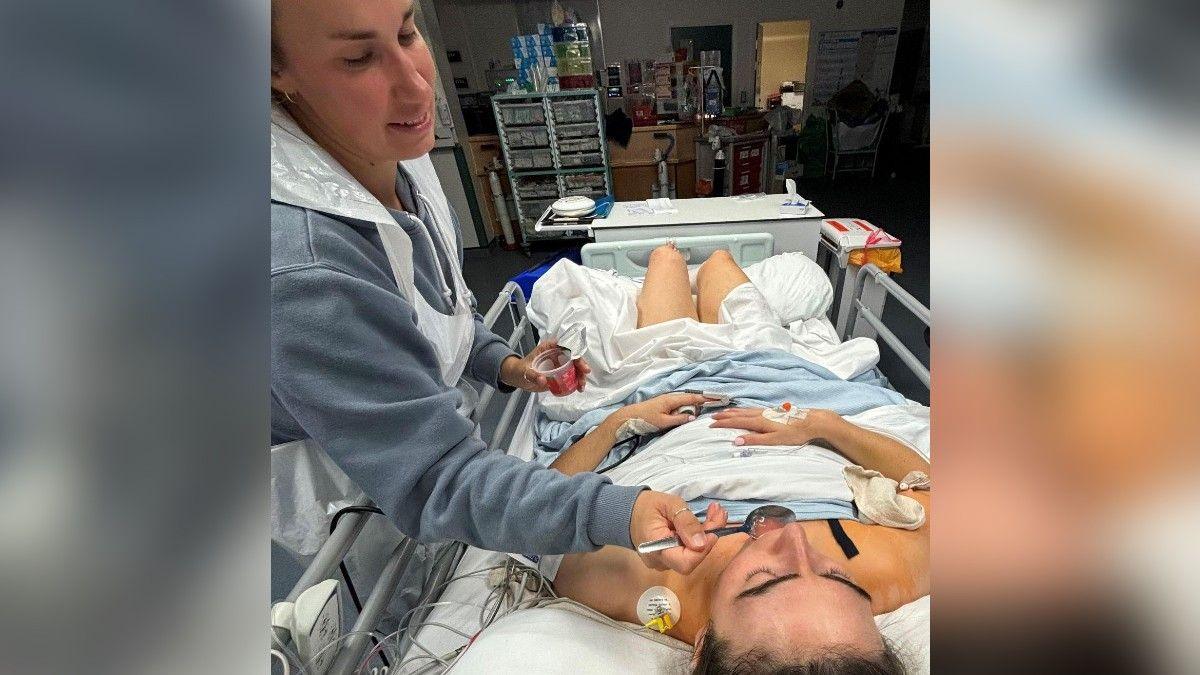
column 717, row 657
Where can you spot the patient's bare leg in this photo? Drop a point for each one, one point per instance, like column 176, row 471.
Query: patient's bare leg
column 666, row 292
column 718, row 275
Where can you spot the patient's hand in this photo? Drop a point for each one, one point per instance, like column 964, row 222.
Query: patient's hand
column 657, row 411
column 657, row 515
column 797, row 432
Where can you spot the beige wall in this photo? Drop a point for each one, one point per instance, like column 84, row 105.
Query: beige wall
column 783, row 56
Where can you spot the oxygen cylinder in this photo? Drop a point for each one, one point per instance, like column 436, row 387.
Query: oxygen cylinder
column 719, row 173
column 510, row 240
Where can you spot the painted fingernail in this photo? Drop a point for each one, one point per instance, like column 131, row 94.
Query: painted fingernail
column 739, row 441
column 691, row 418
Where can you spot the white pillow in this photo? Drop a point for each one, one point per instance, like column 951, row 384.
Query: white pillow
column 907, row 628
column 795, row 286
column 552, row 640
column 574, row 643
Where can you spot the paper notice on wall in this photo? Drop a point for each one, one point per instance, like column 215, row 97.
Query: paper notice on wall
column 844, row 56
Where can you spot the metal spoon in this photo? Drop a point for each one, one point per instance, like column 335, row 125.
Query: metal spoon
column 757, row 523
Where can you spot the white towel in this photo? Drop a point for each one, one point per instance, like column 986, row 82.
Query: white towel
column 879, row 500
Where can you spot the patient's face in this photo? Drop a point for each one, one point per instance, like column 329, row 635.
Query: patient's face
column 780, row 594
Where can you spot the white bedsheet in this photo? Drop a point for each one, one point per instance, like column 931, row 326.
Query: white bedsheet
column 622, row 356
column 695, row 460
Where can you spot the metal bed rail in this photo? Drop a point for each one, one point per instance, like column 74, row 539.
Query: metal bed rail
column 357, row 644
column 522, row 338
column 833, row 269
column 894, row 290
column 350, row 526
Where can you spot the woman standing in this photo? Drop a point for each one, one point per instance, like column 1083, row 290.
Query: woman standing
column 372, row 325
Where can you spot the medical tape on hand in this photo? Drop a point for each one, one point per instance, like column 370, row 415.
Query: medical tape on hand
column 785, row 413
column 634, row 427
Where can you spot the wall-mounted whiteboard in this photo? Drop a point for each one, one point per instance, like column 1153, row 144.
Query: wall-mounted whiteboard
column 846, row 55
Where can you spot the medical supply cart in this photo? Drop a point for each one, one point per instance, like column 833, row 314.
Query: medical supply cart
column 554, row 146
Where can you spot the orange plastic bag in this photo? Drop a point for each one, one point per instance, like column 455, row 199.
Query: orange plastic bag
column 886, row 259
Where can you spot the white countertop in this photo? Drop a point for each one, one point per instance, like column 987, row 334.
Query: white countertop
column 704, row 210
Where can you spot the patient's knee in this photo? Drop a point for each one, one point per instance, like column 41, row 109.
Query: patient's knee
column 666, row 254
column 719, row 258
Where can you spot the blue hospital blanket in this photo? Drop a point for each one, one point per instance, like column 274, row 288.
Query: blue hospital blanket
column 752, row 378
column 762, row 378
column 811, row 509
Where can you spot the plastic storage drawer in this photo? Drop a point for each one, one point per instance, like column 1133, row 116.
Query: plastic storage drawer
column 534, row 188
column 592, row 193
column 585, row 130
column 567, row 112
column 522, row 113
column 530, row 137
column 586, row 159
column 585, row 181
column 524, row 160
column 533, row 209
column 579, row 145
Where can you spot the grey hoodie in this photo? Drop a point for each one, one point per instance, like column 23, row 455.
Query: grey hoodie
column 351, row 370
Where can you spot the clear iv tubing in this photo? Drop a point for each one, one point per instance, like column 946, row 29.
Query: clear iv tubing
column 515, row 573
column 514, row 569
column 757, row 452
column 407, row 633
column 289, row 652
column 307, row 667
column 287, row 666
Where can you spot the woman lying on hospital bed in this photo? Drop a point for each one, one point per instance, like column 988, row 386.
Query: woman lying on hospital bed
column 803, row 595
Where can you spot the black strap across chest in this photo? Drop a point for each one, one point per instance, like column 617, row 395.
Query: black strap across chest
column 843, row 540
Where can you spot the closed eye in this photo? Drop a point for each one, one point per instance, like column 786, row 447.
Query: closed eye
column 766, row 586
column 839, row 578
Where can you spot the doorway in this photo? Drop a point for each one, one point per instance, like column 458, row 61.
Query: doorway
column 782, row 57
column 706, row 39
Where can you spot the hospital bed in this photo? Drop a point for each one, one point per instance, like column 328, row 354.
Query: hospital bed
column 468, row 589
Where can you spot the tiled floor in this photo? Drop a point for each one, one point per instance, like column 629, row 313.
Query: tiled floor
column 900, row 205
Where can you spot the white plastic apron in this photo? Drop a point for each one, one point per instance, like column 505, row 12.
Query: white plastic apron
column 307, row 487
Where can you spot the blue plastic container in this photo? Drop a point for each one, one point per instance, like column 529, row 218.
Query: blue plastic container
column 527, row 278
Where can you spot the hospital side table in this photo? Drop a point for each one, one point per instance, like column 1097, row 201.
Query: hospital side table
column 715, row 215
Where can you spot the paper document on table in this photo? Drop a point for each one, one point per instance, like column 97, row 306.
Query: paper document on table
column 661, row 205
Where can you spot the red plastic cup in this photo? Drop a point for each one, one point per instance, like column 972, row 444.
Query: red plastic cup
column 559, row 370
